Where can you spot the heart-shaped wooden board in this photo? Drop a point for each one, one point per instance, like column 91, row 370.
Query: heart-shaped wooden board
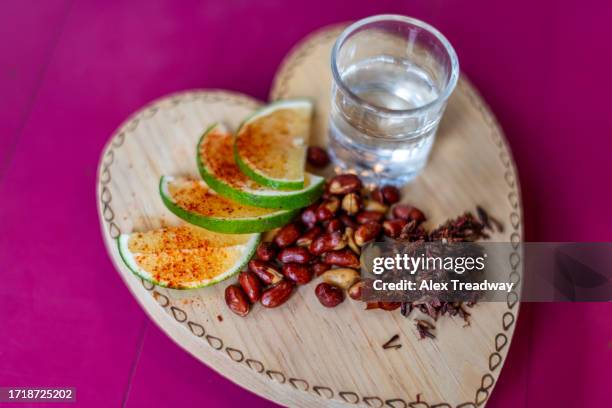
column 302, row 354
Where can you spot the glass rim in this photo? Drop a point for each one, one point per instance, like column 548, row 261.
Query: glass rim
column 443, row 96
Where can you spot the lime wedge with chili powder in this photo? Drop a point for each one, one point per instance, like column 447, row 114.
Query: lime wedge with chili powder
column 193, row 201
column 186, row 257
column 219, row 169
column 270, row 145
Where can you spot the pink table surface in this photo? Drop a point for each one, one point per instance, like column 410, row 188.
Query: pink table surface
column 71, row 71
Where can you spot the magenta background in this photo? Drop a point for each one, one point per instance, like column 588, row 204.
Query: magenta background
column 71, row 71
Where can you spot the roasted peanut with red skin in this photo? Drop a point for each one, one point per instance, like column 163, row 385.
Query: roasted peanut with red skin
column 388, row 306
column 329, row 295
column 367, row 232
column 299, row 273
column 287, row 235
column 236, row 300
column 266, row 251
column 309, row 236
column 386, row 194
column 323, row 214
column 334, row 225
column 391, row 194
column 319, row 267
column 328, row 242
column 317, row 157
column 408, row 213
column 344, row 184
column 277, row 294
column 377, row 195
column 351, row 203
column 265, row 271
column 309, row 215
column 251, row 285
column 328, row 209
column 356, row 289
column 417, row 215
column 393, row 228
column 349, row 221
column 369, row 216
column 344, row 257
column 295, row 254
column 402, row 211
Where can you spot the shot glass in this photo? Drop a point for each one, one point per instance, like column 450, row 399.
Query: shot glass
column 392, row 76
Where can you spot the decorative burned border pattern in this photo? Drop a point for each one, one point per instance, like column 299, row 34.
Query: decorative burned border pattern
column 501, row 340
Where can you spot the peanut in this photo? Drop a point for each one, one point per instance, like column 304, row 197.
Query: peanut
column 355, row 291
column 372, row 205
column 391, row 194
column 236, row 300
column 299, row 273
column 323, row 214
column 319, row 267
column 341, row 277
column 349, row 234
column 408, row 213
column 377, row 195
column 266, row 251
column 386, row 194
column 251, row 285
column 344, row 184
column 309, row 236
column 328, row 295
column 367, row 232
column 278, row 294
column 295, row 254
column 369, row 216
column 393, row 228
column 317, row 157
column 287, row 235
column 327, row 242
column 348, row 221
column 402, row 211
column 268, row 236
column 328, row 209
column 351, row 203
column 344, row 257
column 265, row 271
column 417, row 215
column 309, row 215
column 388, row 306
column 334, row 225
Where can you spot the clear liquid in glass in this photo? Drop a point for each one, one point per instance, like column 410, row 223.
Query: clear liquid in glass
column 383, row 147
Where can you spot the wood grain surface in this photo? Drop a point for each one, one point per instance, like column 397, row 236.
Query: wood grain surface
column 302, row 354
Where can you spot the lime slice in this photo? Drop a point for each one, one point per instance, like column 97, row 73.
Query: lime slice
column 218, row 168
column 270, row 146
column 193, row 201
column 186, row 257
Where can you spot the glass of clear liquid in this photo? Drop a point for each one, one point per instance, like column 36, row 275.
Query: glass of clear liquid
column 392, row 76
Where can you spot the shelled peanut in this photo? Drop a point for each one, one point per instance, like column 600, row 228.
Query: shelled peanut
column 324, row 241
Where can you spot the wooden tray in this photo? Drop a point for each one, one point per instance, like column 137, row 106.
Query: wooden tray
column 303, row 354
